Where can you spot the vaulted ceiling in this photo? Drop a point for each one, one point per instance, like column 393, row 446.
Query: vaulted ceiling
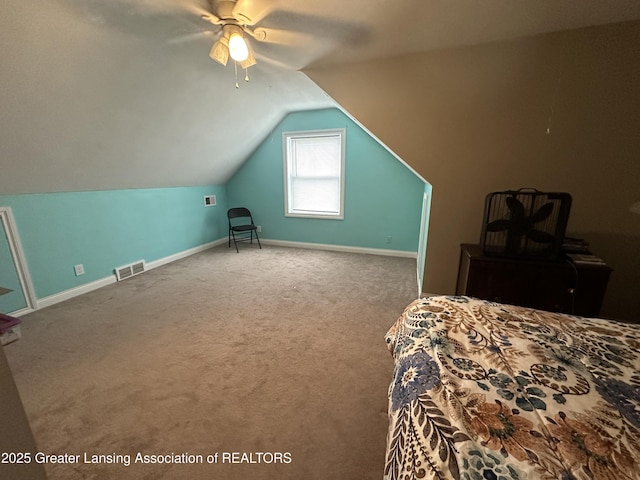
column 122, row 93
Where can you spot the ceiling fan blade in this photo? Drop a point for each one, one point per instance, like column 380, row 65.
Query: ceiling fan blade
column 211, row 18
column 275, row 63
column 250, row 12
column 280, row 37
column 191, row 37
column 197, row 8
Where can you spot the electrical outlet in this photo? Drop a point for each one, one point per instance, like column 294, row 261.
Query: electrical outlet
column 259, row 228
column 79, row 269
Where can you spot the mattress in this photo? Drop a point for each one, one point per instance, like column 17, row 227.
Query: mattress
column 483, row 390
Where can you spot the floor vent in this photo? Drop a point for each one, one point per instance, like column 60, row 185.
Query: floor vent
column 130, row 270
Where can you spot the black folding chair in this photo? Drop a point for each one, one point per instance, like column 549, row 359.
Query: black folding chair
column 241, row 226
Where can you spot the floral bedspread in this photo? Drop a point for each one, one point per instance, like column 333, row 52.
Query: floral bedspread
column 488, row 391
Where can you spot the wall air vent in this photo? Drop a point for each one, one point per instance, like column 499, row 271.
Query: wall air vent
column 209, row 200
column 127, row 271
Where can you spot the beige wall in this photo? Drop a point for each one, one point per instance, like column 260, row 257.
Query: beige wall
column 473, row 120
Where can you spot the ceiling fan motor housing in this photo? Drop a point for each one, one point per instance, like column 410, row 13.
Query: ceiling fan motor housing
column 525, row 223
column 225, row 10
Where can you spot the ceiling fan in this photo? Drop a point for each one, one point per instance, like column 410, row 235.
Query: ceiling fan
column 238, row 20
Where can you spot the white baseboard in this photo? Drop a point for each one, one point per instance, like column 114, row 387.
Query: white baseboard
column 74, row 292
column 103, row 282
column 341, row 248
column 184, row 254
column 21, row 312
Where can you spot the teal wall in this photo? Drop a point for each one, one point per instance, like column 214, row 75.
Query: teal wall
column 15, row 299
column 382, row 196
column 107, row 229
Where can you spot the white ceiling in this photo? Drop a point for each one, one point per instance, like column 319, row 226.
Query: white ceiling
column 103, row 94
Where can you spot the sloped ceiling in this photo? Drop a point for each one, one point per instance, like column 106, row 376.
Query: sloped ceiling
column 121, row 94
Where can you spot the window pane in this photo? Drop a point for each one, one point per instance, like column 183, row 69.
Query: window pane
column 317, row 157
column 314, row 166
column 316, row 195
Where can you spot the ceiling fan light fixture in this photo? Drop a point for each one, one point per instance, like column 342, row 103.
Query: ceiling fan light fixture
column 233, row 44
column 220, row 51
column 250, row 61
column 238, row 48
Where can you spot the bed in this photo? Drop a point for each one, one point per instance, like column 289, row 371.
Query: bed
column 483, row 390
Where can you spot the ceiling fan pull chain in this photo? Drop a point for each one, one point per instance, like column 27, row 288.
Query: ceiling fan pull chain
column 235, row 66
column 246, row 74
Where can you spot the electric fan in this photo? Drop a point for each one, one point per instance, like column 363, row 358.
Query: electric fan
column 525, row 222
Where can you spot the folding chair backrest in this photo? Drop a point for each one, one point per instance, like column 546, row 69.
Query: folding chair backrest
column 239, row 212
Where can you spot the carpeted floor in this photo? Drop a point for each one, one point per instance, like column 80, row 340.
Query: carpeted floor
column 276, row 353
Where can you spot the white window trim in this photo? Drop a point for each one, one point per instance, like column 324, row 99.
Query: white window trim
column 341, row 132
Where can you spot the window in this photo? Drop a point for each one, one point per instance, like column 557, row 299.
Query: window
column 314, row 174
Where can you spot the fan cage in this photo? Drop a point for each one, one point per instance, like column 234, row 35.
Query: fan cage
column 506, row 243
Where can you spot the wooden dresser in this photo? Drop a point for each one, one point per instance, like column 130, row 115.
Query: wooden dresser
column 556, row 286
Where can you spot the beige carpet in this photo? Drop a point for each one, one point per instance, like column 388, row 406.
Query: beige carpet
column 276, row 353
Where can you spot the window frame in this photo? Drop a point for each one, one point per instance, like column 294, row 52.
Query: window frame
column 286, row 136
